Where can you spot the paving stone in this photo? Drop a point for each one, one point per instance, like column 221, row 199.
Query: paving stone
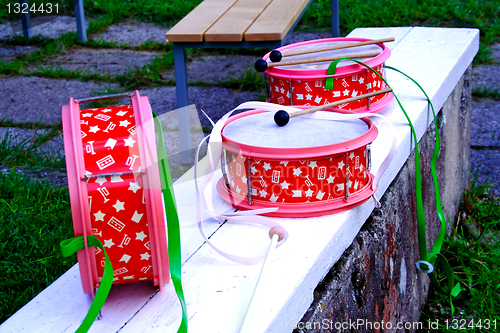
column 34, row 99
column 485, row 163
column 485, row 130
column 10, row 52
column 17, row 135
column 101, row 61
column 486, row 76
column 133, row 33
column 46, row 26
column 213, row 68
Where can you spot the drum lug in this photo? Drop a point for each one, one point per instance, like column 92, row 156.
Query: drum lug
column 249, row 181
column 347, row 174
column 290, row 89
column 369, row 157
column 223, row 168
column 111, row 174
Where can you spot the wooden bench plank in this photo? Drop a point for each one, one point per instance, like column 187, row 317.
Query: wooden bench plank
column 194, row 25
column 276, row 20
column 233, row 24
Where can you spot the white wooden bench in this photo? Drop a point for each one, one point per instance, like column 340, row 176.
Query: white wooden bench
column 218, row 291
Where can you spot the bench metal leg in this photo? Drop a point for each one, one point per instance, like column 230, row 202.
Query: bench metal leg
column 80, row 21
column 26, row 21
column 182, row 100
column 335, row 18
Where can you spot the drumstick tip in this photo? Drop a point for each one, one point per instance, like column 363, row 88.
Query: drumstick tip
column 275, row 56
column 281, row 118
column 261, row 65
column 277, row 231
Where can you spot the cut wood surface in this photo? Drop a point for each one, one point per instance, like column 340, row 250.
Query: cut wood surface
column 218, row 291
column 194, row 25
column 231, row 26
column 276, row 20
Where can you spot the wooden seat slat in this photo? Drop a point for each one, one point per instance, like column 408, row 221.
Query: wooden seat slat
column 276, row 20
column 193, row 26
column 231, row 26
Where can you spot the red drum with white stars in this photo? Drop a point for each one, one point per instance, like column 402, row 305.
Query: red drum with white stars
column 309, row 167
column 109, row 156
column 303, row 84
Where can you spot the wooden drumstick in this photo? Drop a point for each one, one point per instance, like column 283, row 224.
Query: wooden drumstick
column 276, row 55
column 261, row 65
column 276, row 234
column 282, row 117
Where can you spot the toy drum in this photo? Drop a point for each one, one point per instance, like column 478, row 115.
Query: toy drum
column 113, row 177
column 304, row 84
column 309, row 167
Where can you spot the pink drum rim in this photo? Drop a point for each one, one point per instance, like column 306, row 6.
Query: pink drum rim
column 305, row 209
column 297, row 154
column 78, row 194
column 152, row 192
column 375, row 107
column 321, row 73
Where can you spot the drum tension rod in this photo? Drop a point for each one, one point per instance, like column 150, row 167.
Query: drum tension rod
column 249, row 181
column 369, row 157
column 223, row 167
column 347, row 174
column 111, row 174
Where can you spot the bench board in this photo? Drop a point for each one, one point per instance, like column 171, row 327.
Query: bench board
column 276, row 20
column 218, row 291
column 232, row 25
column 238, row 20
column 194, row 25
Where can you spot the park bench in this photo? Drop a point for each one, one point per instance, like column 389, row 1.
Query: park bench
column 218, row 291
column 232, row 24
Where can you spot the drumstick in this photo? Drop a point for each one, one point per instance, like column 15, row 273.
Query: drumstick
column 276, row 55
column 276, row 234
column 261, row 65
column 282, row 117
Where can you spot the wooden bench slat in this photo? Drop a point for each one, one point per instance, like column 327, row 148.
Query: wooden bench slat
column 232, row 25
column 194, row 25
column 276, row 20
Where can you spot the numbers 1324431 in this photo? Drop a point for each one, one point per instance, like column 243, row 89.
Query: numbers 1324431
column 24, row 8
column 462, row 324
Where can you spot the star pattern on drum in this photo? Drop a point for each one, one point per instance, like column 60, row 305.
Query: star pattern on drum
column 313, row 92
column 299, row 181
column 118, row 209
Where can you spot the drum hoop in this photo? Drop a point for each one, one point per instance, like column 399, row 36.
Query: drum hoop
column 78, row 194
column 301, row 209
column 316, row 74
column 297, row 154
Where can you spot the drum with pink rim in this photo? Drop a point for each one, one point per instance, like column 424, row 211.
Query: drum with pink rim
column 309, row 167
column 304, row 84
column 113, row 184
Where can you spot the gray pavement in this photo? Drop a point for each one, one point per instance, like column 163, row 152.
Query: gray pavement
column 39, row 100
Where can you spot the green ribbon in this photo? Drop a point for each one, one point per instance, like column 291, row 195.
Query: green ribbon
column 434, row 255
column 71, row 246
column 173, row 234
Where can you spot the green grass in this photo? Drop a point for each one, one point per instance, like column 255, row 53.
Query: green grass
column 28, row 152
column 34, row 218
column 486, row 93
column 473, row 250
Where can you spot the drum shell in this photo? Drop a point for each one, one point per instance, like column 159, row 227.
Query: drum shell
column 120, row 208
column 300, row 181
column 289, row 86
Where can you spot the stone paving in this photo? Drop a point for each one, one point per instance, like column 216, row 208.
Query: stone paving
column 39, row 100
